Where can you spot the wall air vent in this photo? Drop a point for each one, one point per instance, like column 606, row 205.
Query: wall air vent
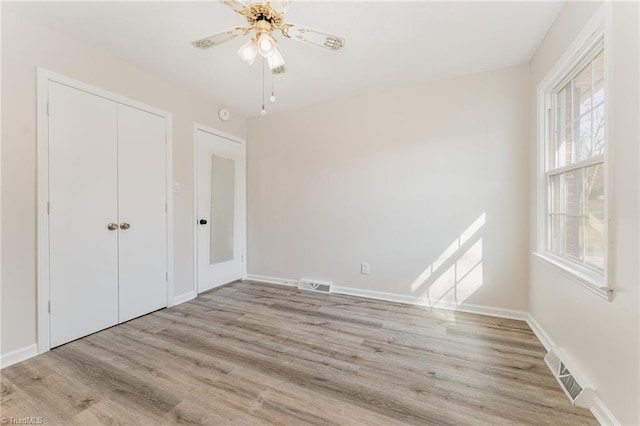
column 576, row 388
column 314, row 285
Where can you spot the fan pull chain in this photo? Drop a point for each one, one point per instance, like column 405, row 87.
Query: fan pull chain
column 273, row 94
column 263, row 111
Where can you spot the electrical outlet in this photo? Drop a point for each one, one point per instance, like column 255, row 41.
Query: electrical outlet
column 176, row 187
column 364, row 268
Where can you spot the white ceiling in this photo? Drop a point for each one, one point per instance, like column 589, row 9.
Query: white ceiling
column 388, row 44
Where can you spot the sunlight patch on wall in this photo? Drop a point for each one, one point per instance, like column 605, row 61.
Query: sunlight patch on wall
column 457, row 273
column 469, row 273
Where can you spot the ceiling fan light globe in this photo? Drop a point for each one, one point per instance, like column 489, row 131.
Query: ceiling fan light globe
column 266, row 45
column 248, row 52
column 275, row 60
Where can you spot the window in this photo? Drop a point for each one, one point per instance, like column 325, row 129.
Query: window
column 575, row 170
column 573, row 194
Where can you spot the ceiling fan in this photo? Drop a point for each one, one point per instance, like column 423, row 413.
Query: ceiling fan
column 264, row 19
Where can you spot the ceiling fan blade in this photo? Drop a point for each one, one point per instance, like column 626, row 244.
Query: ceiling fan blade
column 280, row 6
column 216, row 39
column 236, row 5
column 317, row 38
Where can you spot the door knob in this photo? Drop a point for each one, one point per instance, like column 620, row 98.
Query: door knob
column 125, row 225
column 203, row 221
column 112, row 226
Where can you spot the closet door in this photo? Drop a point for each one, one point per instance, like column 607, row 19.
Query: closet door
column 141, row 212
column 83, row 248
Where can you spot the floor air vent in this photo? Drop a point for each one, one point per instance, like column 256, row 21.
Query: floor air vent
column 576, row 388
column 314, row 285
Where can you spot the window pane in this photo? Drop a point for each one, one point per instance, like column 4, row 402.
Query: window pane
column 594, row 232
column 562, row 151
column 556, row 201
column 556, row 233
column 584, row 144
column 557, row 214
column 574, row 208
column 582, row 92
column 597, row 145
column 572, row 181
column 598, row 78
column 573, row 237
column 565, row 112
column 582, row 112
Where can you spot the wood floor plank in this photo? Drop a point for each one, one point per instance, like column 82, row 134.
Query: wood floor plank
column 17, row 403
column 249, row 353
column 61, row 396
column 276, row 395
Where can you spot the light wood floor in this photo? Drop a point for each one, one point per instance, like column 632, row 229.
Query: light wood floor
column 254, row 353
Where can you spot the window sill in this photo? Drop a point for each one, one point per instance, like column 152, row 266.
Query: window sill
column 591, row 281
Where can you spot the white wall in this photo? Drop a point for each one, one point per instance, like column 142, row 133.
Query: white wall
column 25, row 45
column 601, row 337
column 393, row 179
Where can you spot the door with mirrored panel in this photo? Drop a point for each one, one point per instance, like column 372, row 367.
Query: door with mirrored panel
column 220, row 216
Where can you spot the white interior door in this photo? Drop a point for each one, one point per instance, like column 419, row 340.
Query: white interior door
column 142, row 212
column 220, row 227
column 83, row 187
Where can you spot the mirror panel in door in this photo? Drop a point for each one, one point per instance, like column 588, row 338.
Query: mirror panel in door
column 222, row 209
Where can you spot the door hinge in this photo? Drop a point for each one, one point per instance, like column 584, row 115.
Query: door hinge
column 166, row 276
column 48, row 108
column 166, row 208
column 48, row 207
column 49, row 306
column 242, row 259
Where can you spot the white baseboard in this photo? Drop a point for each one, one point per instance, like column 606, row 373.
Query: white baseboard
column 184, row 297
column 18, row 355
column 540, row 333
column 413, row 300
column 602, row 413
column 273, row 280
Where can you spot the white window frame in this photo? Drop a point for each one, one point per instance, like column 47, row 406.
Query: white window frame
column 582, row 50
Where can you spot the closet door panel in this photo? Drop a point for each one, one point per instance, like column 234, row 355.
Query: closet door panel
column 141, row 212
column 83, row 252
